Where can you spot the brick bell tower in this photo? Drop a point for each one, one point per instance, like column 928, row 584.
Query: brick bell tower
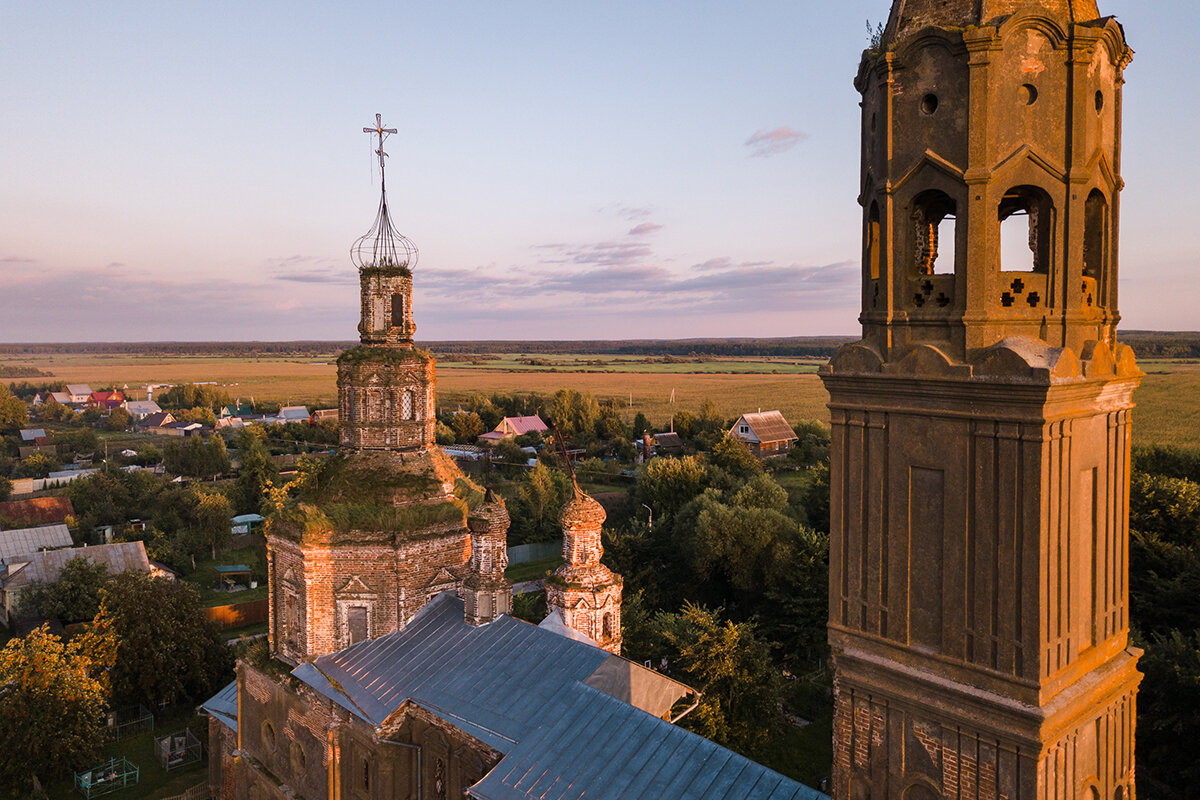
column 981, row 427
column 385, row 387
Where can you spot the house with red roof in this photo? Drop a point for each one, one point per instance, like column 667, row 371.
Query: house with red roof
column 106, row 401
column 511, row 427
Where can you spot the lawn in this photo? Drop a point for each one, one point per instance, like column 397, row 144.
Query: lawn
column 532, row 570
column 202, row 578
column 154, row 781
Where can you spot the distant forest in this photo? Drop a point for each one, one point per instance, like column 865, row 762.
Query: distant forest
column 1147, row 344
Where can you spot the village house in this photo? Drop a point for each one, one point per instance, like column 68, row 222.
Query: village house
column 154, row 420
column 106, row 400
column 766, row 433
column 512, row 427
column 140, row 409
column 21, row 571
column 290, row 414
column 78, row 394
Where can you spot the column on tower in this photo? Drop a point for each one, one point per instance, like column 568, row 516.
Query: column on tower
column 486, row 592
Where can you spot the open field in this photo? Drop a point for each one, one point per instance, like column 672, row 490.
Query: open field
column 1168, row 402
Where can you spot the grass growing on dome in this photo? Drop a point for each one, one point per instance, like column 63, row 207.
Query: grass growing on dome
column 346, row 517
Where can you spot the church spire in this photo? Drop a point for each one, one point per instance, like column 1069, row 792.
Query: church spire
column 385, row 259
column 385, row 387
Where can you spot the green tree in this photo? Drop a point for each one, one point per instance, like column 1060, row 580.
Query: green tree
column 1165, row 506
column 118, row 420
column 168, row 656
column 444, row 433
column 214, row 513
column 13, row 414
column 641, row 425
column 6, row 488
column 731, row 665
column 75, row 596
column 574, row 413
column 51, row 711
column 734, row 457
column 256, row 471
column 539, row 498
column 1168, row 701
column 467, row 427
column 510, row 452
column 667, row 484
column 38, row 465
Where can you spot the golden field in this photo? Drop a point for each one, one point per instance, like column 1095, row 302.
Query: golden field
column 1168, row 401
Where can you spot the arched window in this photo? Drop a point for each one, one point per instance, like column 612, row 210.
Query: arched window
column 606, row 629
column 1095, row 234
column 873, row 241
column 406, row 404
column 935, row 221
column 397, row 310
column 1026, row 230
column 919, row 791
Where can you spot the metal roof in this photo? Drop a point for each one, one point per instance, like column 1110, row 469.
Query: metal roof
column 223, row 705
column 524, row 690
column 45, row 567
column 31, row 540
column 617, row 751
column 767, row 426
column 37, row 511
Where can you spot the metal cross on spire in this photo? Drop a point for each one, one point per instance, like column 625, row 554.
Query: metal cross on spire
column 382, row 133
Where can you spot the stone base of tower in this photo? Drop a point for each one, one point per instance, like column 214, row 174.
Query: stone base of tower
column 978, row 563
column 902, row 733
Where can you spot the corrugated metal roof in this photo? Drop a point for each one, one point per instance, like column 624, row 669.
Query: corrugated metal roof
column 619, row 751
column 520, row 689
column 31, row 540
column 223, row 705
column 45, row 567
column 768, row 426
column 523, row 425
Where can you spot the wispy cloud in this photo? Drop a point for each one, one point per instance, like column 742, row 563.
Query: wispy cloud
column 17, row 260
column 644, row 229
column 773, row 142
column 309, row 269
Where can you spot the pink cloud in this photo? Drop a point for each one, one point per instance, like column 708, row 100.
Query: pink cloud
column 774, row 142
column 644, row 229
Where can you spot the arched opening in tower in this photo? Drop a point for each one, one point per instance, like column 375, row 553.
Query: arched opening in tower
column 935, row 218
column 1026, row 218
column 1095, row 234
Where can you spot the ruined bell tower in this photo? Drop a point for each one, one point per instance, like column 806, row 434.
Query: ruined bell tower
column 981, row 426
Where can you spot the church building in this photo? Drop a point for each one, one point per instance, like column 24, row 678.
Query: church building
column 394, row 669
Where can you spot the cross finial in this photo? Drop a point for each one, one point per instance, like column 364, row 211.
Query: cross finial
column 382, row 133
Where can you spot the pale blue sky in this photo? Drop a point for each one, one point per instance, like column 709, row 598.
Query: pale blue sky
column 180, row 171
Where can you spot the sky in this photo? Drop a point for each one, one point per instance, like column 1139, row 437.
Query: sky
column 653, row 169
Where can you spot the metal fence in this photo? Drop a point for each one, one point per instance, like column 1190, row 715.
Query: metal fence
column 198, row 792
column 535, row 551
column 128, row 721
